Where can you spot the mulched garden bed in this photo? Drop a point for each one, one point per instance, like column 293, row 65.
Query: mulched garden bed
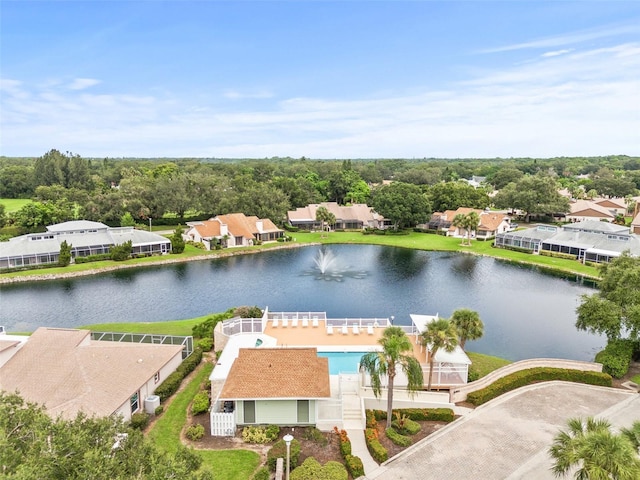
column 428, row 427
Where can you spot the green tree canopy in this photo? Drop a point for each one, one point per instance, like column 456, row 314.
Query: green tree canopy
column 452, row 195
column 35, row 446
column 615, row 310
column 533, row 194
column 402, row 203
column 397, row 353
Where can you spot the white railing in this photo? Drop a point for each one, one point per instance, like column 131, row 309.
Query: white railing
column 242, row 325
column 296, row 315
column 448, row 375
column 359, row 322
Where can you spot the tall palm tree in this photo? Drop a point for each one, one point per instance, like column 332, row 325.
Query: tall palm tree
column 468, row 222
column 326, row 217
column 397, row 353
column 468, row 325
column 594, row 451
column 439, row 334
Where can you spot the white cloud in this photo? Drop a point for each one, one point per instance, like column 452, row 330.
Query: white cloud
column 236, row 95
column 578, row 103
column 82, row 83
column 556, row 53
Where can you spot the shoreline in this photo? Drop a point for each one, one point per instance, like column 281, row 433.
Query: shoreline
column 223, row 254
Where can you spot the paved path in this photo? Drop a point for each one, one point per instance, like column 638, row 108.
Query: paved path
column 508, row 437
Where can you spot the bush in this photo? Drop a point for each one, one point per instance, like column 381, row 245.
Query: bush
column 205, row 329
column 194, row 432
column 279, row 450
column 190, row 363
column 159, row 409
column 93, row 258
column 567, row 256
column 616, row 357
column 173, row 381
column 312, row 470
column 315, row 435
column 121, row 252
column 205, row 344
column 354, row 466
column 192, row 460
column 139, row 420
column 377, row 451
column 262, row 474
column 370, row 415
column 533, row 375
column 200, row 403
column 419, row 414
column 259, row 434
column 397, row 438
column 406, row 426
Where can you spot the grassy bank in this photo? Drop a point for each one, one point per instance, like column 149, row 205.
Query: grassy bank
column 485, row 364
column 413, row 240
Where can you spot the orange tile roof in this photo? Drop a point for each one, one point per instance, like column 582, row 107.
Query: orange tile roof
column 491, row 221
column 208, row 228
column 277, row 373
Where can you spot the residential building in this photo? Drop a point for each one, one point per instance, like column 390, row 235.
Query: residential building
column 233, row 230
column 357, row 216
column 490, row 224
column 588, row 241
column 85, row 238
column 68, row 372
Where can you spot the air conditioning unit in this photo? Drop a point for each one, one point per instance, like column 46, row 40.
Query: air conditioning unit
column 151, row 403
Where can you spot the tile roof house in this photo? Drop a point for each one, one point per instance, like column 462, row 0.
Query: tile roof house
column 68, row 372
column 583, row 210
column 233, row 230
column 276, row 385
column 85, row 237
column 348, row 217
column 491, row 223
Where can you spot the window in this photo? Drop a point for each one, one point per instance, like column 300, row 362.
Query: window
column 135, row 402
column 156, row 377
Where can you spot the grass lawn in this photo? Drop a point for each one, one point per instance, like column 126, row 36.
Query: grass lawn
column 636, row 379
column 165, row 433
column 485, row 364
column 13, row 204
column 173, row 327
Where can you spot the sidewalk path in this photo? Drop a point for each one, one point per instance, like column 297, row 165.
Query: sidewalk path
column 508, row 437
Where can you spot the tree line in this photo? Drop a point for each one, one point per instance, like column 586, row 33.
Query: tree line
column 66, row 186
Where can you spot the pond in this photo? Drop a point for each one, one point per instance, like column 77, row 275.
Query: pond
column 526, row 313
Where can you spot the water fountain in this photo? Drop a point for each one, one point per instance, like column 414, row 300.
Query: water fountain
column 327, row 267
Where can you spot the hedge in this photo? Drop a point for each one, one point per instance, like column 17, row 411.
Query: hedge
column 312, row 470
column 174, row 380
column 534, row 375
column 418, row 414
column 200, row 403
column 354, row 466
column 398, row 438
column 409, row 427
column 279, row 450
column 616, row 357
column 262, row 474
column 376, row 449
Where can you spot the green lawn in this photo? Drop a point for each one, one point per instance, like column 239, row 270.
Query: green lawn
column 173, row 327
column 485, row 364
column 165, row 433
column 636, row 379
column 13, row 204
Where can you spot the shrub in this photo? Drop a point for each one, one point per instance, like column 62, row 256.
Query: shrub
column 159, row 409
column 194, row 432
column 258, row 434
column 345, row 443
column 354, row 466
column 377, row 451
column 262, row 474
column 616, row 357
column 279, row 450
column 397, row 438
column 315, row 435
column 312, row 470
column 200, row 403
column 192, row 460
column 169, row 386
column 371, row 418
column 533, row 375
column 190, row 363
column 205, row 344
column 420, row 414
column 205, row 329
column 139, row 420
column 406, row 426
column 121, row 252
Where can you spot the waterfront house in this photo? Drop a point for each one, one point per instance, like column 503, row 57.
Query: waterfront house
column 233, row 230
column 69, row 372
column 356, row 216
column 85, row 238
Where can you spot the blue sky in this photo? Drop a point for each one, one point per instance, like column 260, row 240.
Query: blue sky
column 321, row 79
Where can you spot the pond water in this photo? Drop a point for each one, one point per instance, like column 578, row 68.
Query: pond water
column 526, row 313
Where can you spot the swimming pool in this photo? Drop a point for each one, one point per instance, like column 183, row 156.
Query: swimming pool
column 342, row 362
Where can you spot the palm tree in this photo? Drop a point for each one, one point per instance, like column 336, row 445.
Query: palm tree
column 468, row 325
column 397, row 352
column 325, row 216
column 468, row 222
column 595, row 451
column 439, row 334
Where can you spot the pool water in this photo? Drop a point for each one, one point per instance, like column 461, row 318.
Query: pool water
column 342, row 362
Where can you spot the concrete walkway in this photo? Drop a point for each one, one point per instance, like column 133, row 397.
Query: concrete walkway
column 508, row 437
